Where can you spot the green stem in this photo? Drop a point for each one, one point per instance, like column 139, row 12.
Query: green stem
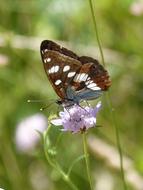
column 74, row 162
column 96, row 31
column 56, row 166
column 118, row 142
column 87, row 159
column 109, row 100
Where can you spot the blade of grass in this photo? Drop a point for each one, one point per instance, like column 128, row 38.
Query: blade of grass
column 109, row 100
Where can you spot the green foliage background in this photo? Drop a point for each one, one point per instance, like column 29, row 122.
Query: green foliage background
column 23, row 78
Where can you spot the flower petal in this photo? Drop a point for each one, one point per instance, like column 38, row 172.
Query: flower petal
column 89, row 122
column 56, row 122
column 95, row 110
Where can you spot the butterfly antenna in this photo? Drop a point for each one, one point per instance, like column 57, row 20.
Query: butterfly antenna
column 87, row 103
column 35, row 101
column 39, row 101
column 45, row 107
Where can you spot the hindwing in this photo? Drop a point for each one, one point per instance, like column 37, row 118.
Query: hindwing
column 85, row 76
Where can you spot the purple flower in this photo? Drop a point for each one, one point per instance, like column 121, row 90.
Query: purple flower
column 26, row 136
column 77, row 119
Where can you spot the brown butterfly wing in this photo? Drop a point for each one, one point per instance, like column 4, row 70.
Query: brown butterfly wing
column 64, row 68
column 59, row 66
column 97, row 75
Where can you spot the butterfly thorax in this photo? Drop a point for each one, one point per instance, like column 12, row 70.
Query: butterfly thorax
column 66, row 103
column 70, row 98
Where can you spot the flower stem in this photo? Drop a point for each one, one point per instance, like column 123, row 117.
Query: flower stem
column 55, row 165
column 109, row 100
column 87, row 159
column 118, row 142
column 96, row 31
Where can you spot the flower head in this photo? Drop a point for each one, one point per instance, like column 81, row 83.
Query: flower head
column 136, row 8
column 77, row 118
column 26, row 136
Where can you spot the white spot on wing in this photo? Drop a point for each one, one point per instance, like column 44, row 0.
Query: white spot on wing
column 89, row 82
column 83, row 77
column 58, row 82
column 80, row 77
column 48, row 59
column 56, row 68
column 76, row 78
column 46, row 50
column 96, row 88
column 52, row 70
column 71, row 74
column 91, row 85
column 45, row 60
column 66, row 68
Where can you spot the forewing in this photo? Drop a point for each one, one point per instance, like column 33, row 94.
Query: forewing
column 60, row 66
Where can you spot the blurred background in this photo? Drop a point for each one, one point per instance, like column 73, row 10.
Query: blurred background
column 23, row 25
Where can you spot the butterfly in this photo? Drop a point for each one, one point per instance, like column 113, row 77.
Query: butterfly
column 74, row 78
